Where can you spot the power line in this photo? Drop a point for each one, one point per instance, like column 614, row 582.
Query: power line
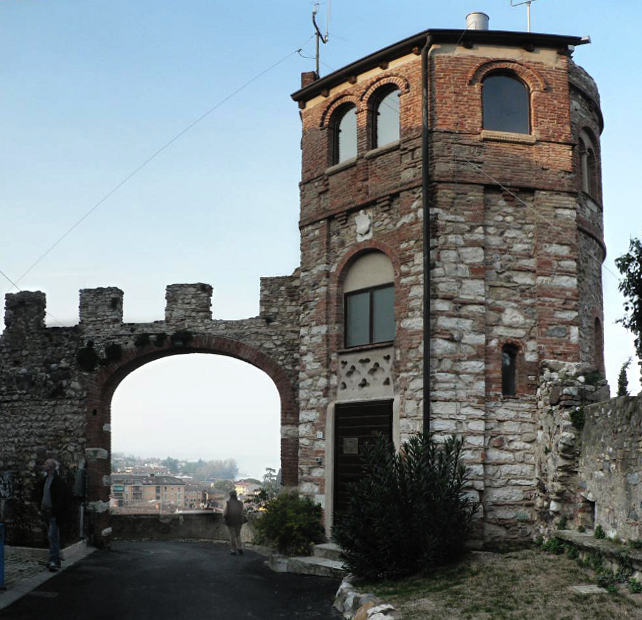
column 146, row 162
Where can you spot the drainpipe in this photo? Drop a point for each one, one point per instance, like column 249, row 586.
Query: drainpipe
column 426, row 200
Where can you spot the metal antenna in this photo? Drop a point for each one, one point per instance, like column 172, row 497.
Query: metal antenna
column 528, row 10
column 317, row 32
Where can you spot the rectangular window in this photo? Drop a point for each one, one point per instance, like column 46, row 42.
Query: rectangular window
column 369, row 316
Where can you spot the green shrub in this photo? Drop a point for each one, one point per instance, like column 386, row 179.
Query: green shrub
column 608, row 580
column 634, row 586
column 581, row 529
column 577, row 418
column 562, row 523
column 408, row 511
column 572, row 552
column 292, row 523
column 554, row 545
column 599, row 532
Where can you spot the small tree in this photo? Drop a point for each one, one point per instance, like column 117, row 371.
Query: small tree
column 622, row 379
column 630, row 266
column 408, row 512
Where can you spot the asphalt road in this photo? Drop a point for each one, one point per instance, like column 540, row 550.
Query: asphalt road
column 177, row 580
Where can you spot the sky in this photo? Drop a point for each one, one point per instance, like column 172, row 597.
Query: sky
column 91, row 90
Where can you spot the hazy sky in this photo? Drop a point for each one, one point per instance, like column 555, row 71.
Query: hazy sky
column 90, row 90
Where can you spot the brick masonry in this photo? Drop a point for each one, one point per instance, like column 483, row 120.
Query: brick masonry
column 515, row 251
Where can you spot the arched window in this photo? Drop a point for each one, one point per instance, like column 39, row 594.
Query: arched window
column 509, row 370
column 588, row 165
column 385, row 117
column 369, row 301
column 506, row 106
column 344, row 134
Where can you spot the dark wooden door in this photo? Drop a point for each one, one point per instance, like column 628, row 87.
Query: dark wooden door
column 356, row 424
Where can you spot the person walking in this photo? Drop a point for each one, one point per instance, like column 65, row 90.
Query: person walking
column 234, row 517
column 53, row 508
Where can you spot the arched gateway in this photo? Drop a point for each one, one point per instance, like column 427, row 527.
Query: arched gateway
column 58, row 383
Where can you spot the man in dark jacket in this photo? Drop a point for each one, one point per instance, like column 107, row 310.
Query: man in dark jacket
column 234, row 519
column 53, row 507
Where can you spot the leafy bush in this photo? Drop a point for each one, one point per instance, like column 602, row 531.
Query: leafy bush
column 554, row 545
column 635, row 586
column 292, row 523
column 599, row 532
column 562, row 524
column 408, row 511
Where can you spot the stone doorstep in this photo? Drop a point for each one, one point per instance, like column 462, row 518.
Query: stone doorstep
column 310, row 565
column 330, row 550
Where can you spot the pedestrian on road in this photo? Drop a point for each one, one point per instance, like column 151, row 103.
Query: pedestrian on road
column 53, row 508
column 234, row 517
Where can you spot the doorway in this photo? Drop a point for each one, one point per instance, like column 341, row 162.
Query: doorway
column 356, row 425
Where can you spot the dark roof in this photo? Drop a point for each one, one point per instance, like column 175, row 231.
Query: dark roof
column 417, row 41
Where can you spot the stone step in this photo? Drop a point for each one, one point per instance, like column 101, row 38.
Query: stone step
column 330, row 550
column 321, row 567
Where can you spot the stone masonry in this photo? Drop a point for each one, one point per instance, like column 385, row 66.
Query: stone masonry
column 56, row 384
column 495, row 240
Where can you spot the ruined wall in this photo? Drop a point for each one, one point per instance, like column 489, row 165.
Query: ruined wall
column 566, row 393
column 610, row 465
column 56, row 384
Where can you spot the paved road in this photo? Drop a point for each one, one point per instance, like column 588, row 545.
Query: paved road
column 177, row 580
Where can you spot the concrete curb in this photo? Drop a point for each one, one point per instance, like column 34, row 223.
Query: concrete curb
column 355, row 605
column 72, row 554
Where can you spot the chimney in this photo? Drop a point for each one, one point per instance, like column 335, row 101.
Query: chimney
column 477, row 21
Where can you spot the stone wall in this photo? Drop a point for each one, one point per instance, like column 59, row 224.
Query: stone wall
column 610, row 466
column 566, row 393
column 56, row 384
column 175, row 526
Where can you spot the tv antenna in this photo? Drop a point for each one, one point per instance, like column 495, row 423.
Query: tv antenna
column 317, row 32
column 528, row 10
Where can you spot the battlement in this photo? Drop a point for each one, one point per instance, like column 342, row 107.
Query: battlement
column 25, row 311
column 188, row 302
column 101, row 305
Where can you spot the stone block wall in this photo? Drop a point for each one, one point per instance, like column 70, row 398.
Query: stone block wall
column 56, row 385
column 566, row 393
column 610, row 466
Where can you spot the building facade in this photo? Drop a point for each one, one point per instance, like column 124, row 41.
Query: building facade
column 451, row 242
column 450, row 281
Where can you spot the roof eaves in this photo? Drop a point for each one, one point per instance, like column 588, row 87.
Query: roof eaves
column 415, row 42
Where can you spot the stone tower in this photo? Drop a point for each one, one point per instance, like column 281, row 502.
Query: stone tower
column 451, row 245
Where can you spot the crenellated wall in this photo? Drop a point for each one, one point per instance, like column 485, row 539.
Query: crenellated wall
column 56, row 384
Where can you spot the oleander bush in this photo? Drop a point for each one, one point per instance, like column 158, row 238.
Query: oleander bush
column 409, row 512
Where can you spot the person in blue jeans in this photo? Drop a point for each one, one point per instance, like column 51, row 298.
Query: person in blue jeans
column 53, row 508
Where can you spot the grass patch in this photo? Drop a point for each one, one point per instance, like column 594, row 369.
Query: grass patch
column 521, row 584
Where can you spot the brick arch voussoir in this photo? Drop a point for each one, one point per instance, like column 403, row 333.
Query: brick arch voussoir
column 109, row 377
column 532, row 78
column 356, row 250
column 338, row 275
column 326, row 116
column 397, row 80
column 101, row 388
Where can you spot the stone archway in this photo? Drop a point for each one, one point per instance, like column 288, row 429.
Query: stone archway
column 107, row 380
column 57, row 384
